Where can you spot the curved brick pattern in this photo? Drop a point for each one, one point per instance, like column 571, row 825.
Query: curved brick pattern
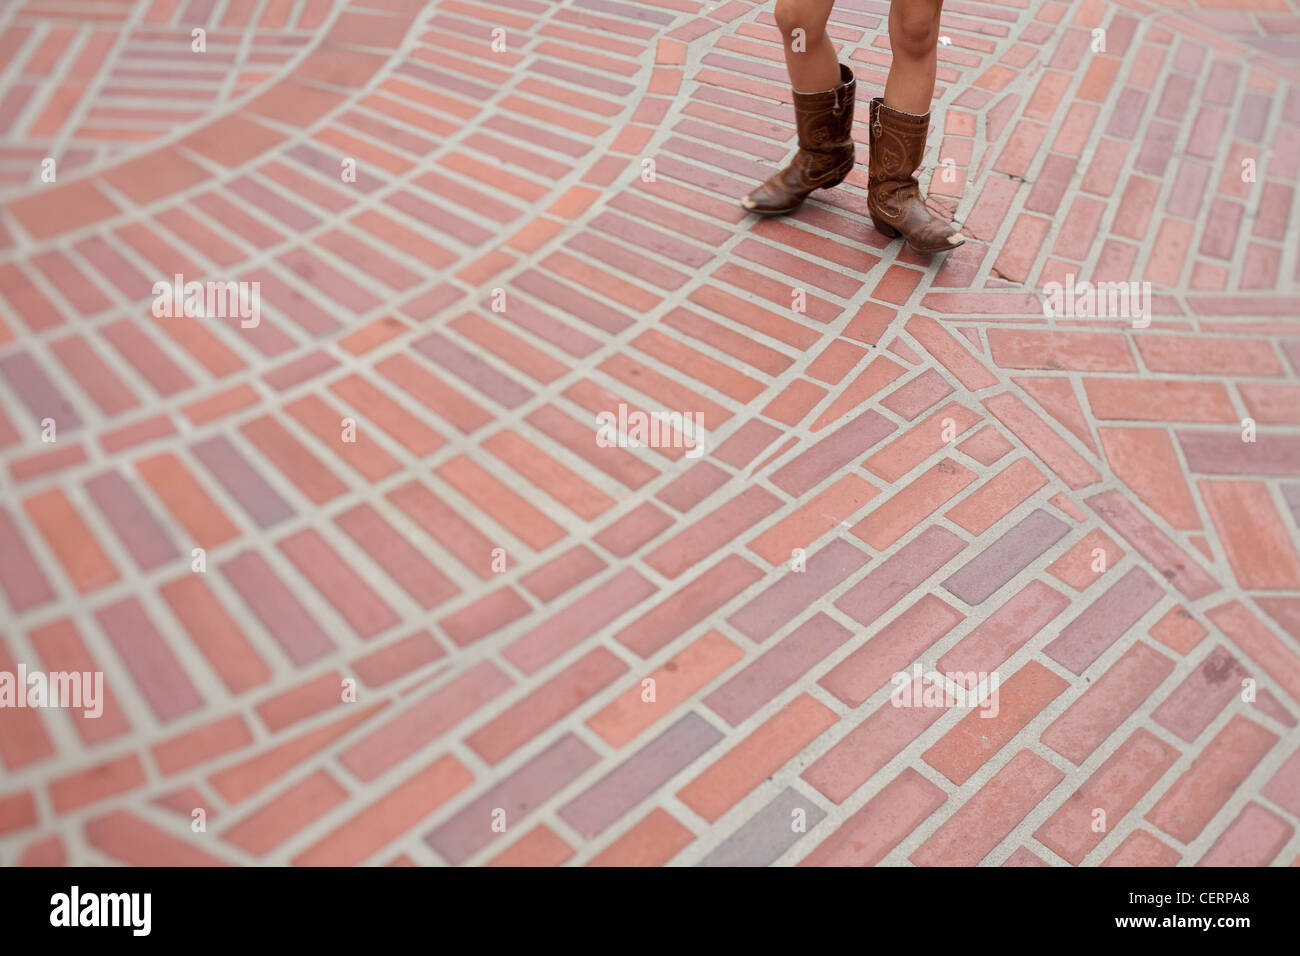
column 366, row 587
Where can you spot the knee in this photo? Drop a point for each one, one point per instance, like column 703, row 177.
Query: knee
column 792, row 15
column 914, row 28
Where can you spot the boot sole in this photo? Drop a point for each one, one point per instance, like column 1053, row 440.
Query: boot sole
column 789, row 209
column 891, row 233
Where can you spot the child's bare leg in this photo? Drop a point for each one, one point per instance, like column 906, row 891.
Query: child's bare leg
column 900, row 122
column 914, row 39
column 823, row 93
column 809, row 53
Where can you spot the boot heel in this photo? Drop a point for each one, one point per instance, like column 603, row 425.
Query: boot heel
column 887, row 230
column 835, row 180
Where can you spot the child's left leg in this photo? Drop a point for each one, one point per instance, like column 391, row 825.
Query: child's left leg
column 900, row 122
column 823, row 92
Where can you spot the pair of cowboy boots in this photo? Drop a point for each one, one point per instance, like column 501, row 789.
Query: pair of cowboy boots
column 825, row 124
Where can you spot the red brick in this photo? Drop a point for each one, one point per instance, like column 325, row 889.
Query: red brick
column 983, row 821
column 757, row 757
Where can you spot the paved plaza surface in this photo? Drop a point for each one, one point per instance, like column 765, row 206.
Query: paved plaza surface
column 364, row 583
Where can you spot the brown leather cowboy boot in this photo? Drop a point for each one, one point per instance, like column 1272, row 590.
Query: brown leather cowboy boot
column 825, row 157
column 897, row 144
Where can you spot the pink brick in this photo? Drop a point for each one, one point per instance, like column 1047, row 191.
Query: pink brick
column 984, row 821
column 866, row 838
column 890, row 650
column 1114, row 788
column 757, row 757
column 392, row 815
column 1213, row 777
column 1100, row 709
column 1254, row 838
column 531, row 715
column 1140, row 848
column 870, row 745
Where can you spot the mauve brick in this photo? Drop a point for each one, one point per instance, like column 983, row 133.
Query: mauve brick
column 1115, row 787
column 620, row 790
column 1255, row 838
column 147, row 541
column 1215, row 774
column 777, row 668
column 984, row 821
column 779, row 603
column 1006, row 557
column 1100, row 709
column 689, row 605
column 866, row 838
column 1105, row 620
column 900, row 574
column 424, row 721
column 1006, row 630
column 280, row 612
column 152, row 665
column 832, row 453
column 1153, row 544
column 580, row 620
column 856, row 757
column 549, row 702
column 760, row 755
column 890, row 650
column 1194, row 703
column 472, row 369
column 518, row 794
column 35, row 390
column 1126, row 119
column 695, row 543
column 243, row 482
column 24, row 584
column 766, row 836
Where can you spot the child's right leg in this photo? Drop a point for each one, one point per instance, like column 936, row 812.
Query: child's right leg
column 823, row 91
column 809, row 53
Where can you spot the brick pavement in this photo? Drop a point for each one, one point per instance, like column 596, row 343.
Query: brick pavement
column 548, row 231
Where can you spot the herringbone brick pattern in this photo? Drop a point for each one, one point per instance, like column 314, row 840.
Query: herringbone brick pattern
column 546, row 230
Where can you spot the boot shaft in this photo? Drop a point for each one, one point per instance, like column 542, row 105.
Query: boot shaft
column 824, row 120
column 897, row 142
